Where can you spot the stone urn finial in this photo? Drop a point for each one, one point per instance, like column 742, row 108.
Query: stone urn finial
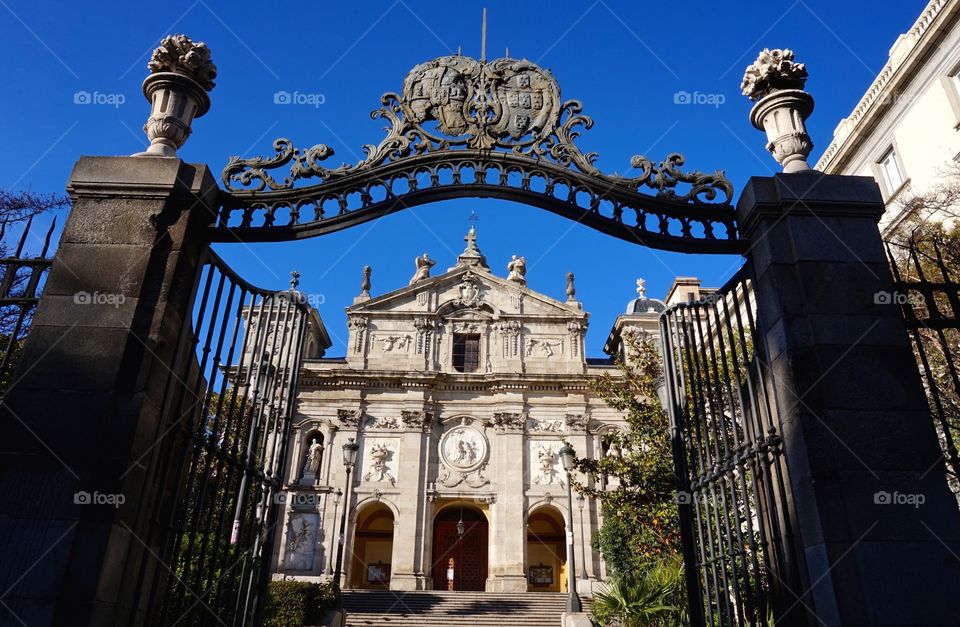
column 181, row 74
column 775, row 83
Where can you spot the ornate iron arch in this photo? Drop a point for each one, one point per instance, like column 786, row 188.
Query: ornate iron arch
column 467, row 128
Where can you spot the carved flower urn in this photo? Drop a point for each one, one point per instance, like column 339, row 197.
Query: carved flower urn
column 181, row 75
column 775, row 83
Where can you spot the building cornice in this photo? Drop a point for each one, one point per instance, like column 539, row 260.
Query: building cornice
column 909, row 52
column 311, row 379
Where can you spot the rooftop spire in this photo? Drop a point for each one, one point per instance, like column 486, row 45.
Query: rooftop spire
column 471, row 256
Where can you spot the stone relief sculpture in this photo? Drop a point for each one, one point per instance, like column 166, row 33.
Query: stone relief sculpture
column 546, row 426
column 416, row 419
column 398, row 343
column 380, row 454
column 577, row 330
column 517, row 270
column 463, row 453
column 358, row 325
column 509, row 330
column 349, row 418
column 466, row 453
column 301, row 543
column 547, row 466
column 425, row 327
column 385, row 422
column 507, row 421
column 423, row 263
column 469, row 291
column 537, row 347
column 576, row 422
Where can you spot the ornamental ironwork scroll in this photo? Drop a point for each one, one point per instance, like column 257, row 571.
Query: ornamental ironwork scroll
column 463, row 127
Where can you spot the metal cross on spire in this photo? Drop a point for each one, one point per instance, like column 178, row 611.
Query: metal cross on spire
column 471, row 238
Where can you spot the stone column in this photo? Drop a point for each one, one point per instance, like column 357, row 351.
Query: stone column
column 84, row 413
column 508, row 531
column 405, row 572
column 854, row 419
column 576, row 435
column 295, row 465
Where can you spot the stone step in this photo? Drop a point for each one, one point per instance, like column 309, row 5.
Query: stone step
column 382, row 608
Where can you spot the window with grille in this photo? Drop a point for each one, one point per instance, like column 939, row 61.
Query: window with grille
column 466, row 352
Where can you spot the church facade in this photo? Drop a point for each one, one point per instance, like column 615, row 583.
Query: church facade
column 459, row 389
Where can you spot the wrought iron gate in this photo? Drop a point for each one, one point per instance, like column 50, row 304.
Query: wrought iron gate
column 226, row 419
column 927, row 288
column 22, row 278
column 729, row 461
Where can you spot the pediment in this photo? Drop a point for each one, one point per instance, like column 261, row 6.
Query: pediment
column 460, row 291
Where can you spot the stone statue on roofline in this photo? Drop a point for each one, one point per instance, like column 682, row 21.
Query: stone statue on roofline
column 423, row 263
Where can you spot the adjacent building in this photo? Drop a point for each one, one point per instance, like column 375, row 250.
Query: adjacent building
column 904, row 131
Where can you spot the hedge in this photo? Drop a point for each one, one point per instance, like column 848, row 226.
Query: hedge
column 298, row 603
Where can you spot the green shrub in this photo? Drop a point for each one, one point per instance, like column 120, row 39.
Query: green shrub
column 653, row 597
column 298, row 603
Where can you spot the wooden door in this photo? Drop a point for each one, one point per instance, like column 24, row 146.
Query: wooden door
column 468, row 552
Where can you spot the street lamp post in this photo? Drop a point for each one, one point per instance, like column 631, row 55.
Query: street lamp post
column 349, row 459
column 336, row 505
column 567, row 456
column 583, row 555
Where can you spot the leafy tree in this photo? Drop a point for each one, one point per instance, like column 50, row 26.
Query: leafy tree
column 635, row 487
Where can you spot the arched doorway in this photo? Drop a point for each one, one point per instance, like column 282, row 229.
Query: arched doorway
column 546, row 551
column 372, row 548
column 468, row 552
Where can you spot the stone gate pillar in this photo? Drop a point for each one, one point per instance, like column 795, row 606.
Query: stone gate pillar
column 84, row 416
column 855, row 422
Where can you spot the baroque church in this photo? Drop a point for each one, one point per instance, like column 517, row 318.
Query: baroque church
column 459, row 389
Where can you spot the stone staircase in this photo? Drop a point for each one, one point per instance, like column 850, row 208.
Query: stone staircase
column 376, row 608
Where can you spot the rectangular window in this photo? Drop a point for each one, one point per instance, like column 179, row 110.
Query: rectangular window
column 466, row 352
column 891, row 171
column 951, row 85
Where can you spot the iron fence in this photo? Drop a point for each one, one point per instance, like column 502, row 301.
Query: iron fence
column 22, row 278
column 927, row 288
column 730, row 464
column 226, row 413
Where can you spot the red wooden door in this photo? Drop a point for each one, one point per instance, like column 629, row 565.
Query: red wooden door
column 469, row 553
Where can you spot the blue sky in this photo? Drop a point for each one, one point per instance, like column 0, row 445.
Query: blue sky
column 624, row 60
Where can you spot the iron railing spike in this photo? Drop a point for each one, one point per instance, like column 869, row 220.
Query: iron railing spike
column 23, row 237
column 46, row 240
